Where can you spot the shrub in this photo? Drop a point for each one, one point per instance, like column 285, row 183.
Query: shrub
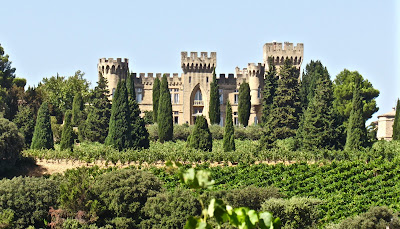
column 67, row 137
column 43, row 135
column 217, row 131
column 181, row 132
column 376, row 217
column 124, row 192
column 26, row 123
column 56, row 129
column 11, row 144
column 170, row 209
column 250, row 196
column 153, row 132
column 30, row 198
column 201, row 137
column 295, row 212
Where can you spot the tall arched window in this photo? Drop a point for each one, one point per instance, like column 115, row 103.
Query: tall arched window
column 198, row 95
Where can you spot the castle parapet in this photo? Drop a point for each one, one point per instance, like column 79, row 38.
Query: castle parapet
column 228, row 79
column 195, row 63
column 255, row 69
column 279, row 53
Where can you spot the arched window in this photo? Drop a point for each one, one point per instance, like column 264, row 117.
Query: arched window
column 198, row 95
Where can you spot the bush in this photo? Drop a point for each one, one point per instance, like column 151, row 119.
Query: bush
column 182, row 132
column 217, row 131
column 30, row 198
column 153, row 132
column 170, row 209
column 376, row 217
column 124, row 192
column 56, row 129
column 11, row 144
column 295, row 212
column 250, row 196
column 201, row 137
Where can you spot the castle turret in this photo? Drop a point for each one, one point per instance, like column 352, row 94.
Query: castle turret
column 195, row 63
column 113, row 70
column 280, row 53
column 256, row 73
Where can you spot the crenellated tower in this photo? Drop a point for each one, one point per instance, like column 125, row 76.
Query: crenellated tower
column 280, row 53
column 113, row 70
column 197, row 75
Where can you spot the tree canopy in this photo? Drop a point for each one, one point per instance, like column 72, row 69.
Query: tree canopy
column 244, row 104
column 344, row 85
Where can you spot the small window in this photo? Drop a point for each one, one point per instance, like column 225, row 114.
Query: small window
column 176, row 118
column 207, row 79
column 236, row 99
column 255, row 120
column 235, row 113
column 113, row 91
column 176, row 98
column 236, row 121
column 221, row 120
column 139, row 95
column 259, row 93
column 190, row 79
column 221, row 96
column 176, row 112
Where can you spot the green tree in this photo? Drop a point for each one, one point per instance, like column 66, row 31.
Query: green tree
column 156, row 97
column 214, row 112
column 314, row 71
column 119, row 131
column 164, row 117
column 11, row 98
column 7, row 73
column 25, row 121
column 283, row 120
column 229, row 135
column 11, row 144
column 356, row 131
column 345, row 84
column 318, row 128
column 201, row 137
column 67, row 137
column 77, row 108
column 97, row 122
column 43, row 136
column 244, row 104
column 270, row 86
column 59, row 91
column 140, row 135
column 396, row 124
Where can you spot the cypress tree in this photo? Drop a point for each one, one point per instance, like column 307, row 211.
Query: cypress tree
column 77, row 108
column 396, row 124
column 318, row 129
column 356, row 131
column 314, row 71
column 43, row 136
column 201, row 137
column 229, row 135
column 156, row 97
column 214, row 112
column 67, row 136
column 119, row 131
column 25, row 122
column 96, row 125
column 164, row 117
column 270, row 86
column 140, row 135
column 244, row 104
column 284, row 117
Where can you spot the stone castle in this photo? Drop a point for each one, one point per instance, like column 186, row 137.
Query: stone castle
column 191, row 89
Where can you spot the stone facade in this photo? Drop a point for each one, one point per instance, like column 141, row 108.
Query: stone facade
column 190, row 91
column 385, row 126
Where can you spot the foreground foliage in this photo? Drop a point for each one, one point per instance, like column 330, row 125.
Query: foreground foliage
column 11, row 144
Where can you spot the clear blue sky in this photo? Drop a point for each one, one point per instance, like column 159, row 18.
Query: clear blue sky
column 46, row 37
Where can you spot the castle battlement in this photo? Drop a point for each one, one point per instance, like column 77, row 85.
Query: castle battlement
column 195, row 63
column 279, row 53
column 255, row 69
column 113, row 61
column 148, row 78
